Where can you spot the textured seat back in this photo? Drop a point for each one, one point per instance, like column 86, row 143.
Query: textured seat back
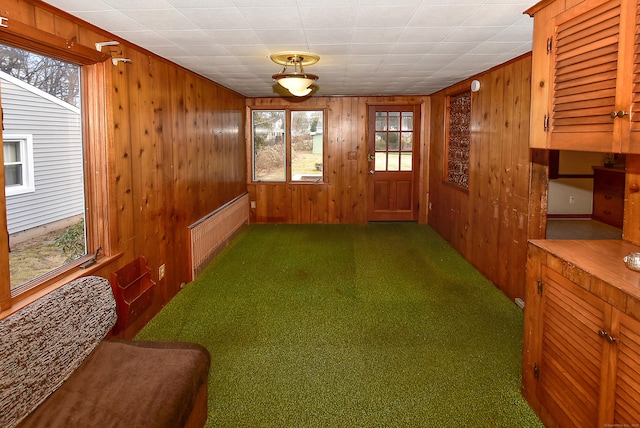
column 43, row 343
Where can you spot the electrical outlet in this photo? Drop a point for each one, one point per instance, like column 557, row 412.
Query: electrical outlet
column 572, row 199
column 161, row 271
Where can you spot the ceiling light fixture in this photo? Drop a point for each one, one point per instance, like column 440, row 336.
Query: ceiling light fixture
column 296, row 82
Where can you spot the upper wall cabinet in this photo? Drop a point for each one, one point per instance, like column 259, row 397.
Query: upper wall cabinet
column 586, row 76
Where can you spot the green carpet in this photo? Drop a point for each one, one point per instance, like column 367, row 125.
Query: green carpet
column 379, row 325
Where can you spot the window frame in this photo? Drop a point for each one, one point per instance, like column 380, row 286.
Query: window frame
column 26, row 151
column 288, row 169
column 99, row 213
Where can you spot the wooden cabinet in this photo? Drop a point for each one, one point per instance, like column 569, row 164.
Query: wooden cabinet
column 608, row 195
column 585, row 94
column 581, row 354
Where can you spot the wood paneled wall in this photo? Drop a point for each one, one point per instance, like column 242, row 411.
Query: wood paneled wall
column 343, row 196
column 488, row 224
column 176, row 149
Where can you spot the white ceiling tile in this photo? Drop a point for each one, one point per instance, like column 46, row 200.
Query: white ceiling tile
column 397, row 16
column 288, row 37
column 236, row 37
column 413, row 48
column 138, row 4
column 376, row 35
column 441, row 16
column 424, row 34
column 366, row 46
column 112, row 19
column 146, row 38
column 217, row 18
column 271, row 18
column 163, row 20
column 324, row 37
column 200, row 4
column 324, row 18
column 80, row 5
column 188, row 37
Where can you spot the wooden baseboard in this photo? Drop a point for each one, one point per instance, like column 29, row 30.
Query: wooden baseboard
column 567, row 216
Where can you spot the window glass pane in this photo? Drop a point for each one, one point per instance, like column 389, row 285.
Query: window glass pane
column 394, row 120
column 381, row 141
column 406, row 159
column 381, row 121
column 407, row 141
column 307, row 141
column 49, row 178
column 12, row 151
column 394, row 141
column 269, row 145
column 407, row 121
column 393, row 161
column 13, row 175
column 381, row 161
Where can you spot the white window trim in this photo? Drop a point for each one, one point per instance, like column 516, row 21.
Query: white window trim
column 26, row 149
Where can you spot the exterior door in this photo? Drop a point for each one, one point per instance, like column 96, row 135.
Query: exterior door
column 393, row 143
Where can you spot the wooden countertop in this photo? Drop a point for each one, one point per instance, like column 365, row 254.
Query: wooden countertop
column 602, row 259
column 619, row 169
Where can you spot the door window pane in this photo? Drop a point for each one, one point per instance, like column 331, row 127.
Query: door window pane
column 394, row 120
column 381, row 121
column 394, row 141
column 381, row 141
column 407, row 121
column 406, row 161
column 407, row 141
column 393, row 161
column 381, row 161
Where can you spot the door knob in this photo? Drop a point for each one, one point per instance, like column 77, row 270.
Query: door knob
column 371, row 172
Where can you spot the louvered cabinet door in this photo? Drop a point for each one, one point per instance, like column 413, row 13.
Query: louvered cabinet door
column 627, row 374
column 571, row 353
column 584, row 77
column 632, row 143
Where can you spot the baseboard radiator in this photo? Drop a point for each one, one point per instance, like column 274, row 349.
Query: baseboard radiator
column 212, row 233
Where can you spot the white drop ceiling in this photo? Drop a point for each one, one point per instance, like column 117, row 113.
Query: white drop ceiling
column 366, row 47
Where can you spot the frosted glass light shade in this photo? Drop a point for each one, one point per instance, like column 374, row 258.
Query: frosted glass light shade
column 295, row 83
column 302, row 93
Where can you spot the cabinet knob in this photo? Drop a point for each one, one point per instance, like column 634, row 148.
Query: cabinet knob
column 620, row 113
column 634, row 188
column 603, row 334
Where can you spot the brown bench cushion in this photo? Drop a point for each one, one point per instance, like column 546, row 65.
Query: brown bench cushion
column 128, row 384
column 43, row 343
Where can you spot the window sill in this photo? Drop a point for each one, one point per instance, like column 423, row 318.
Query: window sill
column 68, row 274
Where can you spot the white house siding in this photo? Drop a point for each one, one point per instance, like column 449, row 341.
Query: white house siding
column 57, row 155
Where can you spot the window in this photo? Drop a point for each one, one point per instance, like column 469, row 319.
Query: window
column 43, row 165
column 18, row 164
column 288, row 145
column 458, row 139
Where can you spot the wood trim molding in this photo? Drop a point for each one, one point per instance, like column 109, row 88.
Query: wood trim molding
column 33, row 39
